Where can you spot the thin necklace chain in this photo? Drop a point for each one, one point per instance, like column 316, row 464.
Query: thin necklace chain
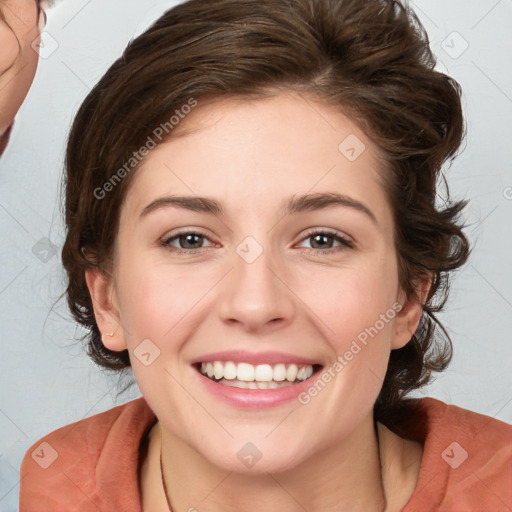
column 167, row 494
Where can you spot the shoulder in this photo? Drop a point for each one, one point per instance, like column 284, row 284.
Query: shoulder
column 447, row 421
column 72, row 467
column 467, row 458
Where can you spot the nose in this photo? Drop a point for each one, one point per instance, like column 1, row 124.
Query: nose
column 255, row 295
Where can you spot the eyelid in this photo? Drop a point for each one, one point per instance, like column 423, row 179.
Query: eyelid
column 186, row 231
column 328, row 231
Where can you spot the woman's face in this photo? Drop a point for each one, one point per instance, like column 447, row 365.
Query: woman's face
column 258, row 283
column 20, row 25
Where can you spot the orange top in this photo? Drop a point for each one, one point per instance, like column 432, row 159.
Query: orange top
column 93, row 464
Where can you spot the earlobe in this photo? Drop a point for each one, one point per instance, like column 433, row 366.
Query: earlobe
column 408, row 318
column 101, row 289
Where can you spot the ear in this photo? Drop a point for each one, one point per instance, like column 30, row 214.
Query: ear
column 106, row 310
column 408, row 318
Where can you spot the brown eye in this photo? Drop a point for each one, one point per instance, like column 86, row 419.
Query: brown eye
column 321, row 245
column 187, row 240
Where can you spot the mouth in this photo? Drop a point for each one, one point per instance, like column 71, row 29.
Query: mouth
column 244, row 375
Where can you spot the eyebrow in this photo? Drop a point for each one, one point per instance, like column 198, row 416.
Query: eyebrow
column 300, row 204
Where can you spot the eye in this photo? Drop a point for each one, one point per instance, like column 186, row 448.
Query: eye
column 320, row 239
column 188, row 242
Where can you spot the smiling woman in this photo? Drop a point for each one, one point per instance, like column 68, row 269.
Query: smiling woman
column 270, row 269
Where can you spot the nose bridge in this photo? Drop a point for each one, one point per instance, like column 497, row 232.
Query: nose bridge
column 254, row 294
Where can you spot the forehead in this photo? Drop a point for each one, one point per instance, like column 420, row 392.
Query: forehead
column 261, row 151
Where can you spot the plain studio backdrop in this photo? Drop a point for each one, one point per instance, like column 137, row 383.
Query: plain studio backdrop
column 46, row 379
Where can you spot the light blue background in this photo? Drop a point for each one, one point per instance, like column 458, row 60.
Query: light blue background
column 47, row 380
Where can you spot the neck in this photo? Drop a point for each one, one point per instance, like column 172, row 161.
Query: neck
column 346, row 477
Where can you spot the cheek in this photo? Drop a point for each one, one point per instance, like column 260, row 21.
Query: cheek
column 9, row 50
column 16, row 51
column 353, row 308
column 158, row 301
column 148, row 301
column 26, row 70
column 349, row 300
column 9, row 45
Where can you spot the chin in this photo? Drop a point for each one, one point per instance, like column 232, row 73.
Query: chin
column 256, row 458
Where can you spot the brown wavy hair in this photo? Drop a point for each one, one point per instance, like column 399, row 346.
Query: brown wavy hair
column 370, row 59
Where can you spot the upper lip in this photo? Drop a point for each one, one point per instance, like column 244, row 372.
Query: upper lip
column 255, row 358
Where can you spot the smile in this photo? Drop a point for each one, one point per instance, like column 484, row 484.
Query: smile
column 262, row 376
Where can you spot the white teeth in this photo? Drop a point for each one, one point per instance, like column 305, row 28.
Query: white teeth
column 244, row 371
column 218, row 370
column 279, row 372
column 291, row 373
column 264, row 373
column 305, row 372
column 263, row 376
column 230, row 370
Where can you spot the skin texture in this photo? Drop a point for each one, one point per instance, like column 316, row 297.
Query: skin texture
column 251, row 156
column 20, row 25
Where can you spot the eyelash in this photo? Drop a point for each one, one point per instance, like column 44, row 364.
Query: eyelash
column 345, row 242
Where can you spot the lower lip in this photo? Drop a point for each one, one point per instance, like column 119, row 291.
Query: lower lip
column 255, row 398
